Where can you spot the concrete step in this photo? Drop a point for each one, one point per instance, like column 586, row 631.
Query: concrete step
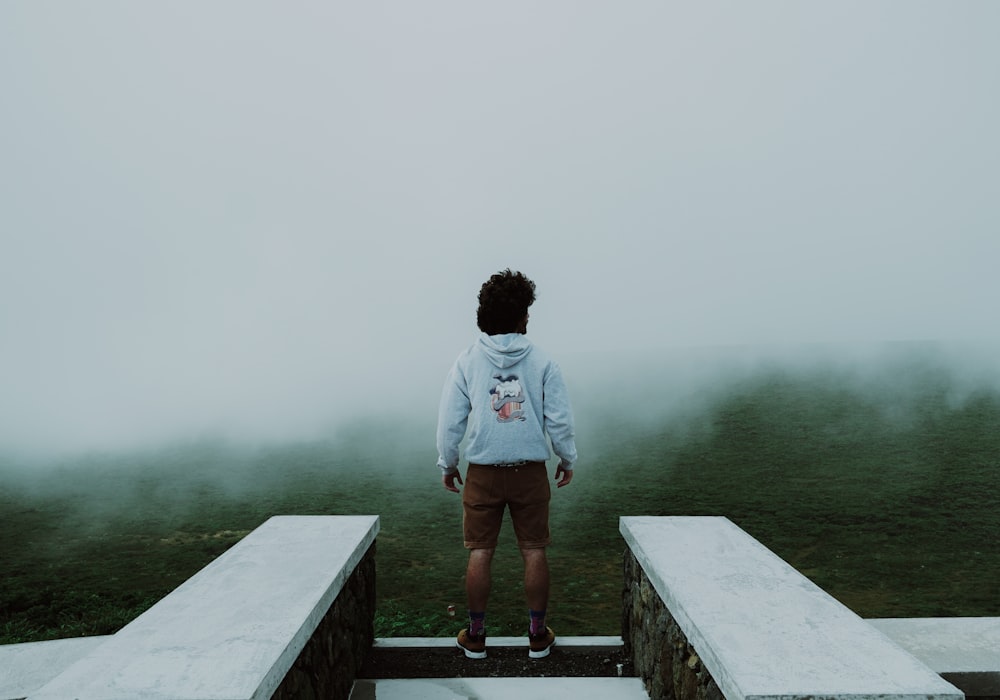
column 499, row 689
column 507, row 657
column 24, row 668
column 965, row 651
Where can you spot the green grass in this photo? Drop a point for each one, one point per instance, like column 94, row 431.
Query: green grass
column 881, row 487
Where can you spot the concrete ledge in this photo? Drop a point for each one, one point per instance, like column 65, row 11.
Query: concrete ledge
column 964, row 650
column 760, row 628
column 235, row 628
column 24, row 668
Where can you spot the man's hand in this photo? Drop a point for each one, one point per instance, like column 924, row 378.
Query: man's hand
column 567, row 476
column 449, row 480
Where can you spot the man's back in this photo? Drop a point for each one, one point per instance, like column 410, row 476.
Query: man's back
column 507, row 394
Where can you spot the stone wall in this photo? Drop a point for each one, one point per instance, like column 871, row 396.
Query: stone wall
column 332, row 657
column 660, row 653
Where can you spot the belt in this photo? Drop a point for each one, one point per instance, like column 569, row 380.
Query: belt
column 504, row 465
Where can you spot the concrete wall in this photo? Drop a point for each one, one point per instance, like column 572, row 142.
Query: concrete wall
column 288, row 612
column 660, row 652
column 331, row 659
column 710, row 612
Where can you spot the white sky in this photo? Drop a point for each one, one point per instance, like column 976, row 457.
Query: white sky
column 264, row 216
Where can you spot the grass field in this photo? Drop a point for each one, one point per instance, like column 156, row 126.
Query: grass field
column 880, row 484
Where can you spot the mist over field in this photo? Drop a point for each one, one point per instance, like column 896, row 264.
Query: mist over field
column 618, row 397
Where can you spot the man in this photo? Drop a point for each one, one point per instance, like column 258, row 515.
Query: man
column 509, row 396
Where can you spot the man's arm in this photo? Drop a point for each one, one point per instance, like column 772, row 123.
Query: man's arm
column 559, row 424
column 453, row 418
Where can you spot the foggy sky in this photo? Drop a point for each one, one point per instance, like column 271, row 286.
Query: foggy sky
column 270, row 217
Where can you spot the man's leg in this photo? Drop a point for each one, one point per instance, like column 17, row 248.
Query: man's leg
column 536, row 590
column 472, row 639
column 529, row 510
column 482, row 518
column 477, row 579
column 536, row 578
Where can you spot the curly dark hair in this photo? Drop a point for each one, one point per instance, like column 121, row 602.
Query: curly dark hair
column 503, row 302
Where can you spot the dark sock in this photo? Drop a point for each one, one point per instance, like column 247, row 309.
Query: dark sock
column 536, row 621
column 477, row 623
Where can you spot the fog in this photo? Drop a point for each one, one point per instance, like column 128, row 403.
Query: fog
column 263, row 221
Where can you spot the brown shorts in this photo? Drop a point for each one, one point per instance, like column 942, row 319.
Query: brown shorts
column 524, row 489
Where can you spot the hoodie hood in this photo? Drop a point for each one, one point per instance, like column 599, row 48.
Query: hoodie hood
column 506, row 349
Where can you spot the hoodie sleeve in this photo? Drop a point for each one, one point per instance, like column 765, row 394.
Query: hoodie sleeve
column 453, row 417
column 559, row 417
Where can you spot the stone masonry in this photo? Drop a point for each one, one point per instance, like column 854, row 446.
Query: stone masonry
column 661, row 655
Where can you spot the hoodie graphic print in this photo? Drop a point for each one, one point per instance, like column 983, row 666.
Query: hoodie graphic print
column 506, row 398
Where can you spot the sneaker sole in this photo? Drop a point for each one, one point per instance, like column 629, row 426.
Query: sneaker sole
column 542, row 653
column 469, row 654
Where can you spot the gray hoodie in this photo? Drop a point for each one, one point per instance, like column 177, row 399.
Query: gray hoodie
column 508, row 395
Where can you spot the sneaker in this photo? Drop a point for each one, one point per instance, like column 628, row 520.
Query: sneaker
column 539, row 645
column 474, row 645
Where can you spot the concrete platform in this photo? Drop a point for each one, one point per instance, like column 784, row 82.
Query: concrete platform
column 233, row 630
column 964, row 650
column 24, row 668
column 564, row 643
column 500, row 689
column 762, row 629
